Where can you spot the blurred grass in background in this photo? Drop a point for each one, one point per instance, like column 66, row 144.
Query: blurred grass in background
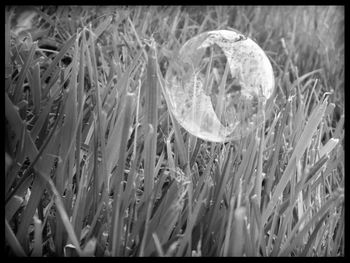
column 96, row 165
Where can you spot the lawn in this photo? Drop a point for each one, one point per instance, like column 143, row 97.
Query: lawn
column 97, row 163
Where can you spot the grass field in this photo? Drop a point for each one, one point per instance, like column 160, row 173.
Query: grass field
column 97, row 165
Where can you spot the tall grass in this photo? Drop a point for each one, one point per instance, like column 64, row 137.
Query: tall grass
column 97, row 165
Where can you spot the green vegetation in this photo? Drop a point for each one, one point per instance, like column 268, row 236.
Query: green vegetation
column 96, row 165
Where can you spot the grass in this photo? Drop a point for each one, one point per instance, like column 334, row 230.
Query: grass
column 96, row 164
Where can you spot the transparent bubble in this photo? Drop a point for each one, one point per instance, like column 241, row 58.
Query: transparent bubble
column 218, row 85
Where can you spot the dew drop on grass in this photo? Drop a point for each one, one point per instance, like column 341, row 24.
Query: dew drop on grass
column 218, row 85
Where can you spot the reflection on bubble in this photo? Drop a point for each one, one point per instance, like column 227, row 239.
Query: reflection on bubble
column 218, row 85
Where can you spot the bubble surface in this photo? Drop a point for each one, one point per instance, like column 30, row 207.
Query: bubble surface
column 218, row 85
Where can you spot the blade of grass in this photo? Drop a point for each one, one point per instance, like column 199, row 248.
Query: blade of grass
column 60, row 207
column 338, row 235
column 37, row 190
column 53, row 80
column 37, row 249
column 221, row 94
column 221, row 186
column 79, row 205
column 270, row 176
column 30, row 148
column 259, row 174
column 19, row 127
column 95, row 221
column 318, row 217
column 118, row 177
column 102, row 27
column 151, row 119
column 81, row 101
column 299, row 149
column 73, row 122
column 67, row 138
column 319, row 241
column 12, row 206
column 18, row 92
column 101, row 126
column 36, row 88
column 178, row 136
column 249, row 170
column 330, row 145
column 339, row 129
column 166, row 215
column 145, row 233
column 116, row 229
column 45, row 16
column 13, row 242
column 280, row 234
column 58, row 58
column 238, row 236
column 137, row 38
column 158, row 245
column 129, row 189
column 228, row 228
column 312, row 237
column 185, row 244
column 257, row 228
column 302, row 78
column 272, row 232
column 113, row 138
column 78, row 210
column 171, row 161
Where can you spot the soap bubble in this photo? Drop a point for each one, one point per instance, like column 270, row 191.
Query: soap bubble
column 218, row 85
